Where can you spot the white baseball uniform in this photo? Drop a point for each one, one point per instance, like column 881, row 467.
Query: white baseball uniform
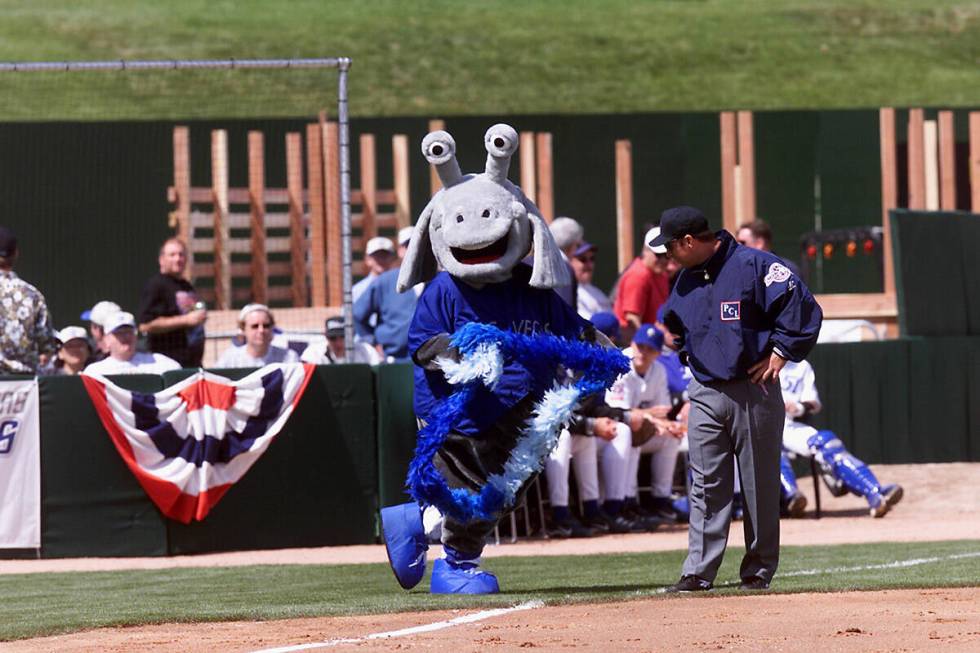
column 799, row 385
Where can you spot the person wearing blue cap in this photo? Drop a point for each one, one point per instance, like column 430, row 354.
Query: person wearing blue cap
column 737, row 315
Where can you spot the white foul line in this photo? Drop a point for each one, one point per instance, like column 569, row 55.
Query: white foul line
column 426, row 628
column 530, row 605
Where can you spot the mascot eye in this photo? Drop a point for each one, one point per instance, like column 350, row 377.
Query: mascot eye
column 459, row 218
column 437, row 150
column 486, row 213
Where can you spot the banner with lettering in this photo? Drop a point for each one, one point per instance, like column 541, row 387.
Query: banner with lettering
column 20, row 465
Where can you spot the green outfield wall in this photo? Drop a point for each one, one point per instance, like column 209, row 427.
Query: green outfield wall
column 345, row 450
column 89, row 200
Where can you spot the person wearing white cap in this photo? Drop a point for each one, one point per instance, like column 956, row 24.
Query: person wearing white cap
column 120, row 335
column 643, row 288
column 256, row 324
column 96, row 317
column 334, row 350
column 404, row 238
column 379, row 256
column 75, row 353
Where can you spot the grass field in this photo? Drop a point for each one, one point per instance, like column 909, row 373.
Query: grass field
column 492, row 57
column 45, row 604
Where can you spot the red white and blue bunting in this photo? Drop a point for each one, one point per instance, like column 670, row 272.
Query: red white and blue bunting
column 188, row 444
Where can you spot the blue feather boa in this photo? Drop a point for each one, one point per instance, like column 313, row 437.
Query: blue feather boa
column 483, row 350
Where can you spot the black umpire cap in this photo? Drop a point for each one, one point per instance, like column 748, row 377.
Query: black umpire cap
column 678, row 222
column 8, row 243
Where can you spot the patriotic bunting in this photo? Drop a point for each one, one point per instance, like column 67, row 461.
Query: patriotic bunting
column 188, row 444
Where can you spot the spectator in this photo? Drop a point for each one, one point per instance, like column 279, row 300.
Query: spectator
column 75, row 352
column 334, row 350
column 379, row 257
column 169, row 312
column 27, row 338
column 404, row 238
column 96, row 317
column 256, row 324
column 382, row 315
column 758, row 235
column 642, row 288
column 120, row 335
column 568, row 234
column 590, row 300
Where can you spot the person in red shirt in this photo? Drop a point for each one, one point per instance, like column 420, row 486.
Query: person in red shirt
column 643, row 288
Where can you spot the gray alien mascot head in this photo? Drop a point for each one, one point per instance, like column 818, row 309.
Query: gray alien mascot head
column 479, row 226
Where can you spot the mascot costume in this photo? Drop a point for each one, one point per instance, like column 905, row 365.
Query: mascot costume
column 500, row 363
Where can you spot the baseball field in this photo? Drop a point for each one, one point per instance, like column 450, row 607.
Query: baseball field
column 846, row 583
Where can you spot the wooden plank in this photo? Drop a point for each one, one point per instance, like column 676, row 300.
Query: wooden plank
column 241, row 245
column 180, row 217
column 244, row 270
column 275, row 293
column 256, row 192
column 624, row 202
column 975, row 161
column 335, row 263
column 746, row 165
column 947, row 161
column 237, row 220
column 545, row 174
column 728, row 161
column 369, row 184
column 528, row 177
column 916, row 147
column 297, row 230
column 314, row 176
column 930, row 162
column 889, row 190
column 435, row 185
column 399, row 171
column 220, row 242
column 866, row 306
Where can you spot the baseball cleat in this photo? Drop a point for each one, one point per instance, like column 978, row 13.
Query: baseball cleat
column 689, row 584
column 448, row 578
column 796, row 505
column 893, row 494
column 405, row 542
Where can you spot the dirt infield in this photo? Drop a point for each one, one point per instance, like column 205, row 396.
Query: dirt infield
column 908, row 620
column 941, row 504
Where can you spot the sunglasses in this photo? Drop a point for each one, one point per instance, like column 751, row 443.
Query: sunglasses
column 264, row 325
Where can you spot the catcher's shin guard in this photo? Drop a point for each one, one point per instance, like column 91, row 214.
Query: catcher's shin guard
column 846, row 472
column 787, row 479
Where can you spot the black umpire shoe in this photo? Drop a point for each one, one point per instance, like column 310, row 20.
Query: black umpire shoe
column 754, row 584
column 690, row 584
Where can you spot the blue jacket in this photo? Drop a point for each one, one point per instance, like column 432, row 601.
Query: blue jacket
column 736, row 308
column 394, row 311
column 448, row 303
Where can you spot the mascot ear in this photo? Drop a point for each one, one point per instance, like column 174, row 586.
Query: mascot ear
column 550, row 269
column 420, row 263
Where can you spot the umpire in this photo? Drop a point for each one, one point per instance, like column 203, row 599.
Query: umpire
column 738, row 315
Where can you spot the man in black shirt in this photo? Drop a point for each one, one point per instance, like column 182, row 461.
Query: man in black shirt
column 170, row 313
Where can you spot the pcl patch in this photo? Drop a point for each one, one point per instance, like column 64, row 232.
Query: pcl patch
column 731, row 311
column 8, row 429
column 777, row 273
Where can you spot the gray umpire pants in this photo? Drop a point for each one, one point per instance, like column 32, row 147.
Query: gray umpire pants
column 728, row 419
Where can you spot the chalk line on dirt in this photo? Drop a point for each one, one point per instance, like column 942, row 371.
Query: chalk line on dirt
column 414, row 630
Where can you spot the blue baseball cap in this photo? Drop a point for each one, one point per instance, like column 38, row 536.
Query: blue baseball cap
column 649, row 335
column 607, row 323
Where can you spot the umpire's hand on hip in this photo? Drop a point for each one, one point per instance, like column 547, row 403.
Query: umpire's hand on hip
column 767, row 369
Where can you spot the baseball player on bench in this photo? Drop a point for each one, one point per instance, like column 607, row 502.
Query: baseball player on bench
column 840, row 470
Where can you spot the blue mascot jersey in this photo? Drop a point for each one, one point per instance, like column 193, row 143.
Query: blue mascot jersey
column 447, row 304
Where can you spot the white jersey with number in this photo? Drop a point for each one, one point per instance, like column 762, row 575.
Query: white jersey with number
column 799, row 385
column 634, row 391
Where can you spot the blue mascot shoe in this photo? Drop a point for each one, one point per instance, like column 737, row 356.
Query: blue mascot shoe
column 404, row 536
column 450, row 578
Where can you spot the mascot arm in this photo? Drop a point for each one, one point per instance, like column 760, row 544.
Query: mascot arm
column 438, row 346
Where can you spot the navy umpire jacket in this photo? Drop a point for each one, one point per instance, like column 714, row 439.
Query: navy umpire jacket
column 736, row 308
